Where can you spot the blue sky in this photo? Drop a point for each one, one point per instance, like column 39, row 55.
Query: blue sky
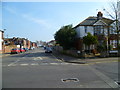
column 40, row 20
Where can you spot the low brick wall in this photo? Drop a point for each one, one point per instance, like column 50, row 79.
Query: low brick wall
column 73, row 53
column 66, row 52
column 7, row 49
column 70, row 52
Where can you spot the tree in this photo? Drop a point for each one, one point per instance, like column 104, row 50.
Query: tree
column 114, row 15
column 89, row 40
column 65, row 36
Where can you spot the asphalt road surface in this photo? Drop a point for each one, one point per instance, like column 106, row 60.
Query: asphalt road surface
column 36, row 69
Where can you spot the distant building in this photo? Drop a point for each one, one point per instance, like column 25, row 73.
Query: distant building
column 98, row 26
column 1, row 41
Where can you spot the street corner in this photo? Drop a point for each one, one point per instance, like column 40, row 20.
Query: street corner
column 4, row 55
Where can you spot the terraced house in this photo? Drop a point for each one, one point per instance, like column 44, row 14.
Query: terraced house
column 99, row 26
column 1, row 41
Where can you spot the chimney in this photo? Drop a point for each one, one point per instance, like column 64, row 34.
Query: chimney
column 99, row 15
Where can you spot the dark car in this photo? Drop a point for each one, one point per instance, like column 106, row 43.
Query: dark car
column 26, row 49
column 48, row 50
column 15, row 51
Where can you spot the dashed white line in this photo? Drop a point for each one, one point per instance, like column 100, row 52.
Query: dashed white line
column 34, row 64
column 24, row 64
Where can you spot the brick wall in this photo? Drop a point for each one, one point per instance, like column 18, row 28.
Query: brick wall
column 7, row 49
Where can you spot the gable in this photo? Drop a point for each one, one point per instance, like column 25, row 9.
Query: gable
column 100, row 22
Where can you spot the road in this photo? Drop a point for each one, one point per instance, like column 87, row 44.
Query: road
column 36, row 69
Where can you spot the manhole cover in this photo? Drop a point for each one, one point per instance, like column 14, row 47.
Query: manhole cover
column 70, row 80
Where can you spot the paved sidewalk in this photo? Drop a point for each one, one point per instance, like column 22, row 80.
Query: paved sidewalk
column 70, row 59
column 4, row 54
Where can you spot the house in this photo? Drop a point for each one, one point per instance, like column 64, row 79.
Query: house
column 51, row 43
column 14, row 42
column 98, row 26
column 34, row 45
column 1, row 41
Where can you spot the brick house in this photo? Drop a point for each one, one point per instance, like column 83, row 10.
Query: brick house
column 33, row 44
column 10, row 43
column 98, row 26
column 1, row 40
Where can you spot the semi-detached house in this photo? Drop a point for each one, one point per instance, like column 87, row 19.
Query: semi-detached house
column 98, row 26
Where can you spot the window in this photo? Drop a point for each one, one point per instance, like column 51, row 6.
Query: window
column 99, row 29
column 112, row 30
column 85, row 29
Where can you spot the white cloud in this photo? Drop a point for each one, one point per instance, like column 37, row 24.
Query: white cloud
column 42, row 22
column 39, row 21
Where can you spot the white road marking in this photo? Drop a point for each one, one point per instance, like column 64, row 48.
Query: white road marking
column 56, row 58
column 37, row 58
column 34, row 64
column 40, row 58
column 55, row 63
column 75, row 64
column 65, row 63
column 24, row 64
column 12, row 64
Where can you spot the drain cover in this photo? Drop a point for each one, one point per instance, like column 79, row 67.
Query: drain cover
column 70, row 80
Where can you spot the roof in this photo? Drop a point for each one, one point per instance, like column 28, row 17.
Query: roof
column 90, row 21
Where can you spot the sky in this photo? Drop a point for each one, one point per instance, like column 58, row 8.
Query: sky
column 40, row 20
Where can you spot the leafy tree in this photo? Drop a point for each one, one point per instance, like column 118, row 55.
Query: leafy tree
column 89, row 40
column 65, row 36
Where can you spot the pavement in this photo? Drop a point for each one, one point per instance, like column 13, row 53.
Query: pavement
column 4, row 55
column 70, row 59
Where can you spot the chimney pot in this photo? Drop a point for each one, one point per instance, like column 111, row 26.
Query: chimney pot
column 99, row 15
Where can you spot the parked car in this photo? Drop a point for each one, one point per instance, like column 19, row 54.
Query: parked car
column 22, row 50
column 113, row 53
column 48, row 50
column 26, row 49
column 44, row 47
column 15, row 51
